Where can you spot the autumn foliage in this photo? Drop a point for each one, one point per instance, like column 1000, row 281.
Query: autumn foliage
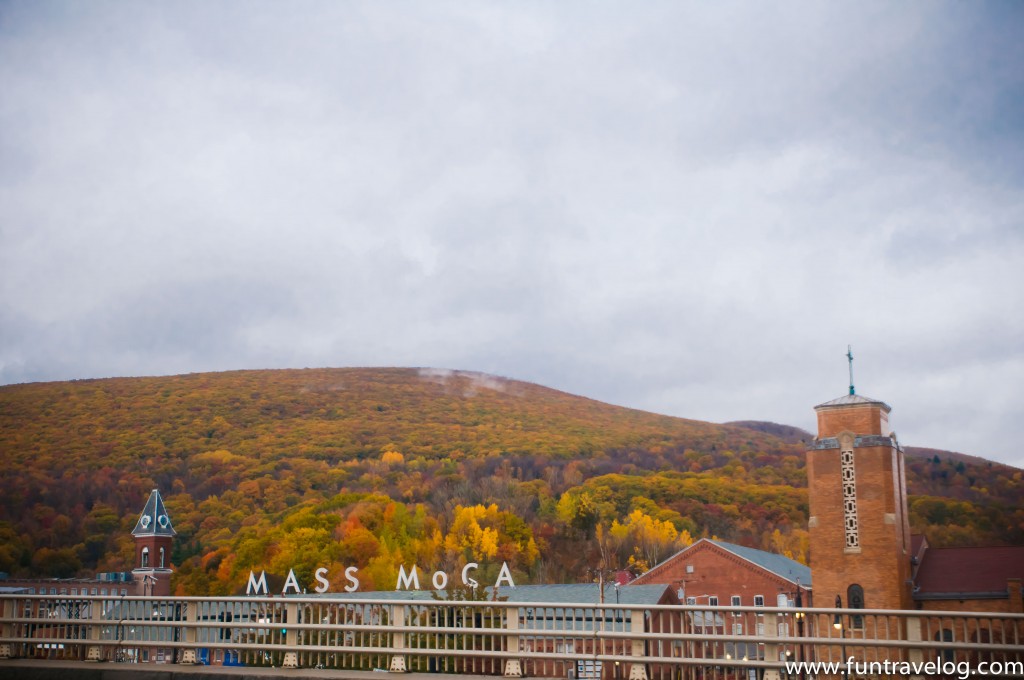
column 374, row 468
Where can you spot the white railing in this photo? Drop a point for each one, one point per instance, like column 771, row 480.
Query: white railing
column 582, row 641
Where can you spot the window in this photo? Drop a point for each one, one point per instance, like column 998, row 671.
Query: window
column 74, row 591
column 737, row 629
column 691, row 600
column 103, row 591
column 736, row 600
column 849, row 500
column 758, row 600
column 145, row 558
column 93, row 591
column 713, row 601
column 855, row 600
column 161, row 558
column 946, row 635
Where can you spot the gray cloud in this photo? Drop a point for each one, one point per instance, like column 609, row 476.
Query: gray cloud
column 687, row 209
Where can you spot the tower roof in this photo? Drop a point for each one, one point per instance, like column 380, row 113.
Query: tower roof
column 154, row 520
column 854, row 400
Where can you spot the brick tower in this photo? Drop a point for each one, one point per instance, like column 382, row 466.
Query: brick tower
column 859, row 529
column 153, row 538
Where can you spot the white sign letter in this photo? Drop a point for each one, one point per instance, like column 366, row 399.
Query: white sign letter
column 443, row 578
column 350, row 576
column 466, row 580
column 319, row 576
column 291, row 582
column 407, row 580
column 504, row 575
column 255, row 586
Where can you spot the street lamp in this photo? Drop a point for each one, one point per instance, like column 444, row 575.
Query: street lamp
column 837, row 623
column 799, row 616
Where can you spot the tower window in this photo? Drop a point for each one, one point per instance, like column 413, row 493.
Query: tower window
column 161, row 558
column 849, row 498
column 145, row 558
column 855, row 599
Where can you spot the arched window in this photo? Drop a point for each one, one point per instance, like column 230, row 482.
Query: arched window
column 161, row 558
column 855, row 600
column 946, row 635
column 145, row 558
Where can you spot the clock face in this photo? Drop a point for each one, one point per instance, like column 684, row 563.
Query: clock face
column 146, row 521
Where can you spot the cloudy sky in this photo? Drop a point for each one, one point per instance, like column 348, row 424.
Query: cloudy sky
column 688, row 208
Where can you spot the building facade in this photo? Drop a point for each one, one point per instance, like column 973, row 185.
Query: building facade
column 860, row 546
column 717, row 573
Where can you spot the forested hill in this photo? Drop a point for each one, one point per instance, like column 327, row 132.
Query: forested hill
column 379, row 467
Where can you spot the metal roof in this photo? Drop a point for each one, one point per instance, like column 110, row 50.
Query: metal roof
column 584, row 593
column 780, row 565
column 154, row 520
column 555, row 594
column 854, row 400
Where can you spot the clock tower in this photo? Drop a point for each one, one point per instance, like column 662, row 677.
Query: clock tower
column 154, row 535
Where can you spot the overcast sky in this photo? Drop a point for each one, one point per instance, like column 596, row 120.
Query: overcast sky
column 687, row 208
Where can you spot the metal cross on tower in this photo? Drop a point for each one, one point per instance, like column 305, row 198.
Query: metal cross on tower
column 849, row 355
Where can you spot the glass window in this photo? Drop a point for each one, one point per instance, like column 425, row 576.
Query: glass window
column 713, row 601
column 758, row 600
column 855, row 600
column 736, row 600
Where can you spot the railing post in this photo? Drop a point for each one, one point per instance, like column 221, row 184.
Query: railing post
column 771, row 651
column 398, row 639
column 94, row 652
column 513, row 669
column 915, row 655
column 7, row 629
column 637, row 671
column 291, row 638
column 188, row 657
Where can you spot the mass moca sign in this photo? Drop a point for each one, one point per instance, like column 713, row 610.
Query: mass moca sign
column 407, row 580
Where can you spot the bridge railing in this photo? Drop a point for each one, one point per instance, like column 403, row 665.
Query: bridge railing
column 573, row 640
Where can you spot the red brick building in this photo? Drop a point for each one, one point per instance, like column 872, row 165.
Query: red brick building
column 986, row 578
column 714, row 572
column 857, row 491
column 154, row 537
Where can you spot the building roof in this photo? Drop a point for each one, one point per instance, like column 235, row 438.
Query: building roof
column 10, row 590
column 780, row 565
column 584, row 593
column 154, row 520
column 853, row 400
column 555, row 594
column 968, row 573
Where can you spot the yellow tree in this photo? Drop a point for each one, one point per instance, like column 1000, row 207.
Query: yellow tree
column 652, row 539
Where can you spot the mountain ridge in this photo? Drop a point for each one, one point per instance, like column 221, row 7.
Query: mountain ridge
column 249, row 460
